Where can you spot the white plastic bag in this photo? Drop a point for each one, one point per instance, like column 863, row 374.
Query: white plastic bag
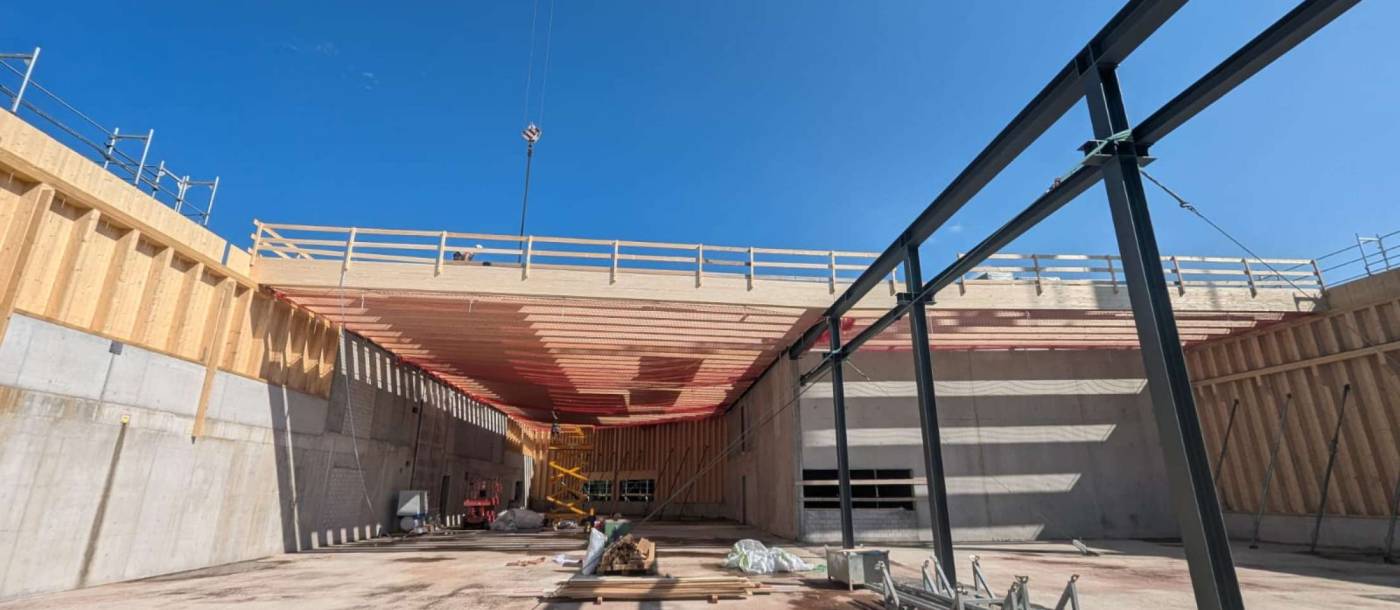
column 784, row 561
column 754, row 558
column 596, row 542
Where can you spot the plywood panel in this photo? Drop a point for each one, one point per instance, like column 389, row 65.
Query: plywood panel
column 1313, row 359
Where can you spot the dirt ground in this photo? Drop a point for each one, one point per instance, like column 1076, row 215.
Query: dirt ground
column 468, row 569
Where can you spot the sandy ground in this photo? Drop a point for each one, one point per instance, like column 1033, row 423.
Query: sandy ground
column 469, row 570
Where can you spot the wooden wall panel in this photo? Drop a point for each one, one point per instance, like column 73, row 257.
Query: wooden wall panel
column 1311, row 359
column 671, row 454
column 90, row 273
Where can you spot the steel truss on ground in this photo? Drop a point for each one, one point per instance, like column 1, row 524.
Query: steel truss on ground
column 1114, row 156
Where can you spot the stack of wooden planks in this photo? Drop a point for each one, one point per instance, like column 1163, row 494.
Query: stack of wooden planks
column 629, row 555
column 712, row 588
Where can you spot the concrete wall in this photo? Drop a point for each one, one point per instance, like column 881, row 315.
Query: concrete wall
column 100, row 480
column 1037, row 444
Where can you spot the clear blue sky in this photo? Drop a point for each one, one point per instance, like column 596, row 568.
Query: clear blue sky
column 793, row 123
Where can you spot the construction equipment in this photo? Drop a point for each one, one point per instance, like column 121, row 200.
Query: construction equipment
column 937, row 593
column 568, row 453
column 854, row 567
column 481, row 510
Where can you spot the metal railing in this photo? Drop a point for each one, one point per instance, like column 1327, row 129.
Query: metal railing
column 1183, row 272
column 440, row 249
column 1371, row 254
column 105, row 145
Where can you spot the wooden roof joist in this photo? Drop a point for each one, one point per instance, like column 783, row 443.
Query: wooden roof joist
column 648, row 348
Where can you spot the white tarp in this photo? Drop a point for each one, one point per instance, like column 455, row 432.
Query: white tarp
column 753, row 557
column 516, row 519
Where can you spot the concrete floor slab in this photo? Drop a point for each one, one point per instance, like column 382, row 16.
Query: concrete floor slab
column 468, row 569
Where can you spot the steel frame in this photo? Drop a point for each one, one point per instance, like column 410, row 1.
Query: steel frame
column 1115, row 157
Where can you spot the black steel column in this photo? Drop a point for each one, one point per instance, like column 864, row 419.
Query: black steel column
column 928, row 416
column 838, row 402
column 1178, row 426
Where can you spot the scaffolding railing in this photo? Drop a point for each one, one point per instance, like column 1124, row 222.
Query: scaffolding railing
column 835, row 268
column 1370, row 255
column 1183, row 272
column 107, row 146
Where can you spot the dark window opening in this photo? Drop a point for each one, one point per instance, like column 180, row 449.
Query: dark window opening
column 821, row 490
column 638, row 490
column 598, row 490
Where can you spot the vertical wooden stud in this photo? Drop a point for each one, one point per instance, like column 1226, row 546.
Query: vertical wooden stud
column 72, row 263
column 39, row 197
column 112, row 282
column 214, row 341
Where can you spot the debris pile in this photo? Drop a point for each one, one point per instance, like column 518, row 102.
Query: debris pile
column 629, row 555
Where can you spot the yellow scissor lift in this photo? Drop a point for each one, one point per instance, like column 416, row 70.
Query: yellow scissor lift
column 568, row 456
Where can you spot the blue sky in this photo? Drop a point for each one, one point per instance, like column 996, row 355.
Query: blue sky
column 801, row 123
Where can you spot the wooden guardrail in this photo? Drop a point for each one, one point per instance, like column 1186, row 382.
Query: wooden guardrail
column 442, row 248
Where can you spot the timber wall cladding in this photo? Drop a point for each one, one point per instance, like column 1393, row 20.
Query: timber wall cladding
column 67, row 263
column 1312, row 359
column 671, row 454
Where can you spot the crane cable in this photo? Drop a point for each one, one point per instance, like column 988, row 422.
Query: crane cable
column 532, row 132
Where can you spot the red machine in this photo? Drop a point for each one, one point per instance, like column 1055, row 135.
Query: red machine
column 481, row 509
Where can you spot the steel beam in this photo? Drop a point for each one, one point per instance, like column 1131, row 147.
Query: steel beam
column 1295, row 27
column 928, row 417
column 843, row 462
column 1188, row 465
column 1048, row 203
column 1137, row 20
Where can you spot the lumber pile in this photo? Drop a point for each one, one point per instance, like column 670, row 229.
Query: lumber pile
column 711, row 588
column 629, row 555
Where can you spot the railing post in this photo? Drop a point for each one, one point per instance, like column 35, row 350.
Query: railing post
column 182, row 186
column 349, row 250
column 751, row 268
column 213, row 192
column 1035, row 265
column 1112, row 275
column 257, row 242
column 1248, row 273
column 160, row 173
column 442, row 253
column 1180, row 283
column 612, row 273
column 525, row 264
column 111, row 146
column 832, row 266
column 962, row 278
column 699, row 264
column 1361, row 248
column 141, row 165
column 1317, row 273
column 24, row 82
